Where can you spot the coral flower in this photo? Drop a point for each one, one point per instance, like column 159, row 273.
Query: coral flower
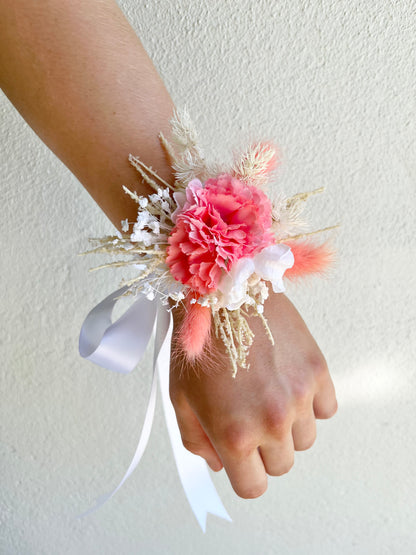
column 217, row 224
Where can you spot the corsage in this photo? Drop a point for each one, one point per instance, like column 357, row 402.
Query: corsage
column 214, row 242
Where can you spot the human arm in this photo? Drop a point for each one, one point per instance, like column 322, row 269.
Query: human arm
column 94, row 97
column 80, row 77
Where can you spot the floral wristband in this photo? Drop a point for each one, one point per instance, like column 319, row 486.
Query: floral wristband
column 212, row 242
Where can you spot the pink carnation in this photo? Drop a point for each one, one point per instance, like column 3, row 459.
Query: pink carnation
column 220, row 223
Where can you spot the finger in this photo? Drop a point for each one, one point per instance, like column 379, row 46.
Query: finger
column 325, row 402
column 194, row 437
column 304, row 432
column 278, row 456
column 246, row 473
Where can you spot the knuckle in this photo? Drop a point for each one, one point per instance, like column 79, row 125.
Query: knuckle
column 277, row 418
column 318, row 366
column 301, row 391
column 237, row 440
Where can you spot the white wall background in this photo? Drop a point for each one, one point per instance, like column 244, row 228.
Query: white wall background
column 333, row 82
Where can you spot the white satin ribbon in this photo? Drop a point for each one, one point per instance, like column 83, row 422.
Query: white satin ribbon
column 119, row 347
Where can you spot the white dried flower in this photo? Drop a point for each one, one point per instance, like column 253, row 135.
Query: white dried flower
column 165, row 206
column 155, row 226
column 143, row 218
column 127, row 246
column 142, row 236
column 150, row 295
column 177, row 296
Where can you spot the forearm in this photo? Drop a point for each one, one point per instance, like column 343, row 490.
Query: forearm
column 79, row 76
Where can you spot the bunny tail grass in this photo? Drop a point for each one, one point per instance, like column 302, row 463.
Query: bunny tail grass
column 309, row 259
column 195, row 330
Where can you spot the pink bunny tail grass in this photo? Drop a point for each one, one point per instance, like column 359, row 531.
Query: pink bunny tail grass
column 195, row 331
column 270, row 151
column 309, row 259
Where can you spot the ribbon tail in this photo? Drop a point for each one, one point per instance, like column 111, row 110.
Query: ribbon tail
column 141, row 447
column 193, row 470
column 106, row 344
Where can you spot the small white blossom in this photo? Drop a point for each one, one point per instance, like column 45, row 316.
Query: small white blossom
column 127, row 246
column 125, row 225
column 148, row 291
column 249, row 300
column 143, row 202
column 143, row 218
column 179, row 296
column 141, row 236
column 155, row 227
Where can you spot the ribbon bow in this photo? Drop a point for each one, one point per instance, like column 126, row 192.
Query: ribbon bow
column 119, row 346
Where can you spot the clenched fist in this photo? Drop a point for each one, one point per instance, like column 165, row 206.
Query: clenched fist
column 252, row 424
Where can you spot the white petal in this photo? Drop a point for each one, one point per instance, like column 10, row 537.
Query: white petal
column 272, row 262
column 187, row 199
column 233, row 285
column 192, row 191
column 180, row 199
